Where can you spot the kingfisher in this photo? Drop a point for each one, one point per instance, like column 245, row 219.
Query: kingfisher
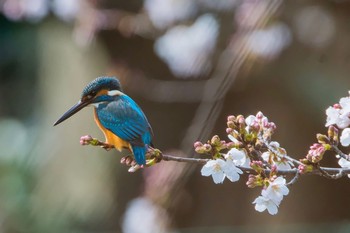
column 121, row 120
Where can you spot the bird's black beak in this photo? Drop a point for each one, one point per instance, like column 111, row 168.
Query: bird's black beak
column 76, row 108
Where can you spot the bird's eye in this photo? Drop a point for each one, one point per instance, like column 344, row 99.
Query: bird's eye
column 91, row 95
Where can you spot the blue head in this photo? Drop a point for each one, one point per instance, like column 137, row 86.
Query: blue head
column 101, row 84
column 102, row 89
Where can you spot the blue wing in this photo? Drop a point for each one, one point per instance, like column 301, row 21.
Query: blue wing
column 126, row 120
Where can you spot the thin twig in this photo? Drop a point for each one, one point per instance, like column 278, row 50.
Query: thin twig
column 184, row 159
column 340, row 153
column 295, row 178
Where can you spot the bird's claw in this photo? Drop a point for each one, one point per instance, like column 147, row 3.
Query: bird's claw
column 128, row 160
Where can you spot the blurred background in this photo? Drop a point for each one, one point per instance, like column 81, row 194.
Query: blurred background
column 189, row 64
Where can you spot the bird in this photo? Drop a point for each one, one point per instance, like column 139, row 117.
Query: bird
column 118, row 116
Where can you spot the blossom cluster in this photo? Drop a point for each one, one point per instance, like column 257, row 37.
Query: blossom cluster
column 271, row 196
column 338, row 116
column 338, row 123
column 250, row 148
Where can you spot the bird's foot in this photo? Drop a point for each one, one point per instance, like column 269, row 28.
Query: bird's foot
column 153, row 156
column 128, row 160
column 88, row 140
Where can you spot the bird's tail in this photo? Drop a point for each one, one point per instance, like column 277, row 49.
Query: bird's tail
column 139, row 154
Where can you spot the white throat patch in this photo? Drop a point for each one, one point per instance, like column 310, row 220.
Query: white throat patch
column 114, row 93
column 95, row 105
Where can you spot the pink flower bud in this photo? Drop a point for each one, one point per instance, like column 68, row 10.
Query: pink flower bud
column 85, row 140
column 215, row 140
column 302, row 169
column 255, row 126
column 252, row 180
column 231, row 118
column 272, row 126
column 337, row 106
column 240, row 119
column 259, row 115
column 315, row 153
column 207, row 147
column 265, row 122
column 197, row 144
column 231, row 124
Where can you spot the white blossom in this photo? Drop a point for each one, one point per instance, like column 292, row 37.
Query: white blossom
column 276, row 190
column 214, row 168
column 345, row 137
column 250, row 120
column 345, row 104
column 343, row 163
column 219, row 169
column 272, row 196
column 332, row 116
column 232, row 138
column 238, row 157
column 339, row 113
column 231, row 171
column 262, row 203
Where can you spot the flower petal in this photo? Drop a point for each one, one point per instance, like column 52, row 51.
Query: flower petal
column 345, row 137
column 272, row 208
column 218, row 177
column 206, row 170
column 260, row 204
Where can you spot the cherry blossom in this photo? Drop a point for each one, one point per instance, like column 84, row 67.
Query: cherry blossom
column 238, row 157
column 339, row 114
column 345, row 137
column 276, row 190
column 215, row 168
column 219, row 169
column 264, row 203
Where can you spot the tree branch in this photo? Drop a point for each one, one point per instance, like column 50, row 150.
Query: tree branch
column 340, row 153
column 328, row 172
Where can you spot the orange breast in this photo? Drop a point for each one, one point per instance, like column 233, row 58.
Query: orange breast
column 111, row 138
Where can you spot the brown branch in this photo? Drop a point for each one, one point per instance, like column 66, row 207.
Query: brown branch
column 328, row 172
column 340, row 153
column 184, row 159
column 332, row 173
